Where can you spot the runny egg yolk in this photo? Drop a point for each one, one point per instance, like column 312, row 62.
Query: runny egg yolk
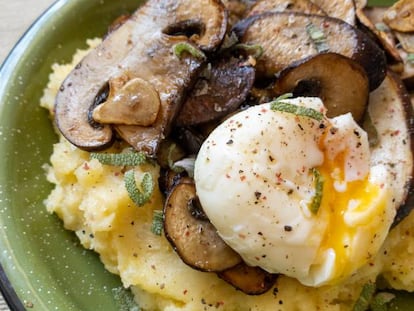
column 343, row 207
column 255, row 178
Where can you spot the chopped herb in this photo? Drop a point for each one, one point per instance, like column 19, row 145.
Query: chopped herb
column 364, row 300
column 317, row 198
column 120, row 159
column 318, row 38
column 147, row 187
column 295, row 109
column 283, row 96
column 370, row 300
column 410, row 58
column 255, row 50
column 157, row 222
column 184, row 47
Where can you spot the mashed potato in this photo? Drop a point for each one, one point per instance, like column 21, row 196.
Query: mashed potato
column 91, row 200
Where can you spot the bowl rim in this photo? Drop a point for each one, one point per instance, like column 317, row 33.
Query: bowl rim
column 8, row 292
column 6, row 288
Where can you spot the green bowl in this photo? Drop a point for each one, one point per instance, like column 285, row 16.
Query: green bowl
column 43, row 267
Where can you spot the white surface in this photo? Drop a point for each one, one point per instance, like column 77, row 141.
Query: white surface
column 15, row 17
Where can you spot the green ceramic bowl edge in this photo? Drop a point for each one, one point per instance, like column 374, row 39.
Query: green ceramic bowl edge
column 45, row 263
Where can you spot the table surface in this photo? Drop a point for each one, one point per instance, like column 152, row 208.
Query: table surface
column 15, row 17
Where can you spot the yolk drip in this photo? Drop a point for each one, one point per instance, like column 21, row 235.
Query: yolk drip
column 357, row 195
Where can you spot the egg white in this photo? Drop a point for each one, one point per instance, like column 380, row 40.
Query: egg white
column 254, row 179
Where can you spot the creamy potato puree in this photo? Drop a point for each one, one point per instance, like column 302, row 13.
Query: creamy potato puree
column 91, row 200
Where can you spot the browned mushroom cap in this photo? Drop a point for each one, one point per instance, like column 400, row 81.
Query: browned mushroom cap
column 288, row 37
column 192, row 235
column 400, row 16
column 304, row 6
column 340, row 82
column 220, row 91
column 142, row 47
column 250, row 280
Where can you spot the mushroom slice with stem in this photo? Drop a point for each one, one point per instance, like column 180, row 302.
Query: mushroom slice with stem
column 340, row 82
column 250, row 280
column 162, row 43
column 135, row 102
column 191, row 234
column 304, row 35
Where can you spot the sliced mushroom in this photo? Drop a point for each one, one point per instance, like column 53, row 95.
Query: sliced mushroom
column 342, row 9
column 304, row 6
column 217, row 93
column 192, row 235
column 250, row 280
column 371, row 19
column 285, row 39
column 142, row 47
column 391, row 113
column 340, row 82
column 168, row 180
column 130, row 102
column 400, row 16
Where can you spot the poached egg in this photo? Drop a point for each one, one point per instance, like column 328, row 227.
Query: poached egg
column 294, row 194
